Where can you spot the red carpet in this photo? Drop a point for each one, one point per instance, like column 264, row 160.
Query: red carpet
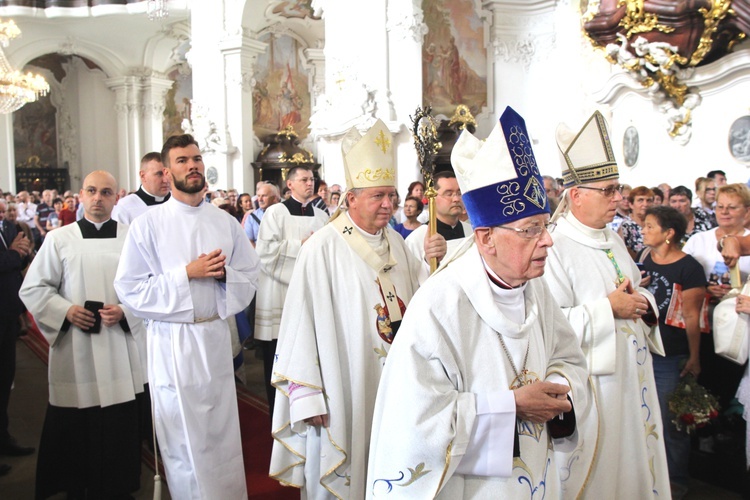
column 255, row 427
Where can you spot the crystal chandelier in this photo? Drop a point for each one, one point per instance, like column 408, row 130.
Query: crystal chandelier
column 157, row 9
column 16, row 88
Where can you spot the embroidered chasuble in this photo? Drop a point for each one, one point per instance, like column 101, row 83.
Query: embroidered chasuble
column 346, row 295
column 444, row 424
column 584, row 266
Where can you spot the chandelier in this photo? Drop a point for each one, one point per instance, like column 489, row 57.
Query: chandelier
column 16, row 88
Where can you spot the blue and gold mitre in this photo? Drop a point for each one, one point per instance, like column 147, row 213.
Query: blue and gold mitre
column 499, row 177
column 587, row 155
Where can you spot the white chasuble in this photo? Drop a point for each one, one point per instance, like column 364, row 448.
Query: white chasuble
column 85, row 369
column 279, row 241
column 441, row 398
column 630, row 457
column 334, row 338
column 190, row 353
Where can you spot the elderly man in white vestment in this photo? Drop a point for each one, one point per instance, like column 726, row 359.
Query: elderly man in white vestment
column 486, row 372
column 90, row 446
column 154, row 190
column 187, row 266
column 597, row 285
column 350, row 287
column 285, row 227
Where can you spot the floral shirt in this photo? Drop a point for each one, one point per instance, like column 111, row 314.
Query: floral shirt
column 703, row 222
column 631, row 233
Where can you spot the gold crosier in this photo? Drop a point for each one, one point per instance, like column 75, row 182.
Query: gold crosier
column 424, row 134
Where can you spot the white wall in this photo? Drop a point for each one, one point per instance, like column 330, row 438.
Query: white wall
column 97, row 123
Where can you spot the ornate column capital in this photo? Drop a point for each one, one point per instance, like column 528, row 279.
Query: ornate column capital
column 407, row 25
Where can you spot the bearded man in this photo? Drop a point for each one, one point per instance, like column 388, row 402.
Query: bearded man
column 186, row 267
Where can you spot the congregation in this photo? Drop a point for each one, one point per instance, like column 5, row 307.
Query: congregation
column 542, row 353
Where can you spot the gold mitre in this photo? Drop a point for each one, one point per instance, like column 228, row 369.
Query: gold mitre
column 586, row 155
column 368, row 159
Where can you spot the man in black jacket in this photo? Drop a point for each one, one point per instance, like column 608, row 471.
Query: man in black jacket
column 14, row 250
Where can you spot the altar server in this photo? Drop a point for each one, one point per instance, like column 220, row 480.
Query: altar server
column 284, row 229
column 154, row 190
column 90, row 446
column 597, row 285
column 186, row 267
column 486, row 371
column 351, row 285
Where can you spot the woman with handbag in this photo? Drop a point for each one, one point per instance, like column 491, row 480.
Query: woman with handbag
column 721, row 376
column 679, row 287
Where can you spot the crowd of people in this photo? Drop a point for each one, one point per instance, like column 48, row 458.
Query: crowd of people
column 541, row 353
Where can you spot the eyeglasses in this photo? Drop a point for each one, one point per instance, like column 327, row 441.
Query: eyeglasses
column 608, row 191
column 531, row 232
column 450, row 194
column 710, row 189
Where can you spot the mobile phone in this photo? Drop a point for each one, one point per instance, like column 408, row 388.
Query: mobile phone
column 94, row 306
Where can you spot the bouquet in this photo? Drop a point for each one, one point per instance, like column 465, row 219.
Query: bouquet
column 692, row 405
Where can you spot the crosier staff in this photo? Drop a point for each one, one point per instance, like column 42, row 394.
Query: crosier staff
column 424, row 134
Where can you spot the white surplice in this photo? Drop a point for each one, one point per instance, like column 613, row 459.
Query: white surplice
column 85, row 369
column 329, row 346
column 415, row 241
column 278, row 244
column 190, row 353
column 128, row 208
column 445, row 414
column 630, row 457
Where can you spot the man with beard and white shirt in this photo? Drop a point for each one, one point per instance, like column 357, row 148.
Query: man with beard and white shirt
column 284, row 229
column 154, row 190
column 267, row 195
column 448, row 210
column 187, row 266
column 597, row 285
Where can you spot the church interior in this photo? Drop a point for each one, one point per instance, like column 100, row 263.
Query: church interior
column 264, row 85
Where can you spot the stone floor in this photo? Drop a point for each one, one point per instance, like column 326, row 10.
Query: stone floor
column 29, row 400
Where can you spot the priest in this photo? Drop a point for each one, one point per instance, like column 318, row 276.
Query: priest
column 284, row 229
column 154, row 190
column 597, row 285
column 90, row 446
column 485, row 379
column 186, row 267
column 350, row 287
column 448, row 210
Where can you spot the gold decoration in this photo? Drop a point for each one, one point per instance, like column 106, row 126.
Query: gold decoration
column 380, row 173
column 297, row 158
column 463, row 116
column 383, row 142
column 656, row 63
column 711, row 20
column 288, row 132
column 638, row 21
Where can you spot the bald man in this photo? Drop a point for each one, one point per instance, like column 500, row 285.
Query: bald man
column 90, row 445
